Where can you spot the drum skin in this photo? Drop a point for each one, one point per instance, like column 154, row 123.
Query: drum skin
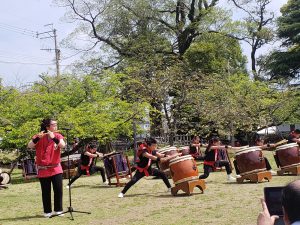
column 183, row 169
column 185, row 150
column 250, row 160
column 120, row 161
column 288, row 155
column 74, row 161
column 4, row 178
column 164, row 166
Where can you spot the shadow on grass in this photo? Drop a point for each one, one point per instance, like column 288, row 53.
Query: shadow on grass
column 178, row 195
column 91, row 186
column 21, row 218
column 245, row 182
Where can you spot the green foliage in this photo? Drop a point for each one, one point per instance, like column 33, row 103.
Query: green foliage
column 90, row 106
column 285, row 63
column 214, row 53
column 237, row 103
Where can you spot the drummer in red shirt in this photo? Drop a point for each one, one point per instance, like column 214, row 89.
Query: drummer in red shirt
column 87, row 164
column 146, row 153
column 210, row 159
column 48, row 144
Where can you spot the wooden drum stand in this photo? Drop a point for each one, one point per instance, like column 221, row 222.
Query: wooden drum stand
column 116, row 166
column 255, row 177
column 188, row 186
column 293, row 170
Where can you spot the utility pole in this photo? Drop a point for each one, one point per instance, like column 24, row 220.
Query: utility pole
column 52, row 34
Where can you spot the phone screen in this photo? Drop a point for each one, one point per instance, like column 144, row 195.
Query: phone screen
column 273, row 200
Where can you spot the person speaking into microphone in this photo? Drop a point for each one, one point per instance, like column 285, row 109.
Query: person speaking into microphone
column 48, row 144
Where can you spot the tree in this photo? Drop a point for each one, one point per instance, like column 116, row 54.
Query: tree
column 90, row 105
column 285, row 62
column 238, row 103
column 259, row 27
column 128, row 27
column 214, row 53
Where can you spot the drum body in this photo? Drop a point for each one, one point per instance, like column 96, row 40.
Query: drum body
column 288, row 155
column 250, row 160
column 74, row 161
column 164, row 166
column 29, row 167
column 120, row 167
column 4, row 178
column 183, row 169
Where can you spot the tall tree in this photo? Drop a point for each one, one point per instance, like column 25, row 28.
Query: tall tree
column 285, row 62
column 259, row 27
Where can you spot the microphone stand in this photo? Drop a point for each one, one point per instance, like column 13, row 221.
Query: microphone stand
column 70, row 208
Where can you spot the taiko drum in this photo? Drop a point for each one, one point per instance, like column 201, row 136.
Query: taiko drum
column 164, row 166
column 73, row 160
column 115, row 163
column 183, row 169
column 250, row 160
column 288, row 155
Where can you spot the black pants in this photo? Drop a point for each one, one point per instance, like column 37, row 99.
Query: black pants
column 237, row 171
column 93, row 169
column 208, row 168
column 56, row 181
column 199, row 158
column 138, row 175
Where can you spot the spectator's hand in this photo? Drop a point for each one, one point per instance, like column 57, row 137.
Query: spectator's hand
column 264, row 217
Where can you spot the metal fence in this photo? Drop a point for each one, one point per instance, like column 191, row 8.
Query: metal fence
column 177, row 140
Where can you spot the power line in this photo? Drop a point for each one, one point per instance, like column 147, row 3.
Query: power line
column 27, row 63
column 31, row 63
column 18, row 30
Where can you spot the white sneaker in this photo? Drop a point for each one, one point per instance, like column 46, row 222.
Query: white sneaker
column 47, row 215
column 106, row 182
column 68, row 186
column 231, row 179
column 273, row 172
column 238, row 176
column 59, row 213
column 169, row 190
column 121, row 195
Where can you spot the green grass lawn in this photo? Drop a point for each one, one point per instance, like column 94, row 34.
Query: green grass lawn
column 145, row 203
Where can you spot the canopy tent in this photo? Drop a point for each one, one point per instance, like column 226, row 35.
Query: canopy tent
column 268, row 130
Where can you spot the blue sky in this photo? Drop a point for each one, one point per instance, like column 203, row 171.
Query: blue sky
column 21, row 57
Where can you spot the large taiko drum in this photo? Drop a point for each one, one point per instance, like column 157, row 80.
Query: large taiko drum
column 164, row 166
column 4, row 178
column 288, row 155
column 250, row 160
column 115, row 163
column 183, row 169
column 74, row 161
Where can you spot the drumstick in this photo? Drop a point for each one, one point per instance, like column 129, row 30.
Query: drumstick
column 284, row 141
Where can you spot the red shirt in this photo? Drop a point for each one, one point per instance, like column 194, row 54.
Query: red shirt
column 48, row 155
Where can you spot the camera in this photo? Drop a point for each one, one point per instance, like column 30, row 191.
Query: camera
column 273, row 201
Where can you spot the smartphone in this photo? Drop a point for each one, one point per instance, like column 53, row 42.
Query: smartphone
column 273, row 200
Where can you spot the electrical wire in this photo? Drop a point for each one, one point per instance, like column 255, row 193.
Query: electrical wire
column 19, row 30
